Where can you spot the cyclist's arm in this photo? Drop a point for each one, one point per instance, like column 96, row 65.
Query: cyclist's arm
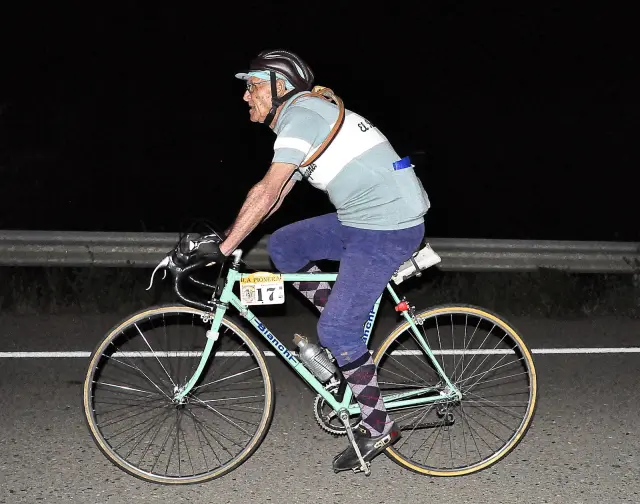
column 302, row 129
column 262, row 200
column 285, row 191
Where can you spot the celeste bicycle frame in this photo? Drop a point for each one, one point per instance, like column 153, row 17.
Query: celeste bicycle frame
column 228, row 298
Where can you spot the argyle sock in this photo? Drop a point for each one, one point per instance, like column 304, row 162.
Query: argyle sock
column 361, row 375
column 316, row 292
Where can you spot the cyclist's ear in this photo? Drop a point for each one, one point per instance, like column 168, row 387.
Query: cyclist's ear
column 281, row 88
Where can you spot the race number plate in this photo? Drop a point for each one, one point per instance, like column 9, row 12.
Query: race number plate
column 262, row 288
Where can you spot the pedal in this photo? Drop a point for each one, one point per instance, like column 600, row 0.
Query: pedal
column 365, row 467
column 366, row 470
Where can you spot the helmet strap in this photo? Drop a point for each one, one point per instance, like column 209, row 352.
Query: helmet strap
column 276, row 100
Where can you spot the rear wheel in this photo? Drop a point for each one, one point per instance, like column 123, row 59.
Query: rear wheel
column 487, row 360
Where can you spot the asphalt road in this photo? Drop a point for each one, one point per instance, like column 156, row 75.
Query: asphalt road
column 583, row 446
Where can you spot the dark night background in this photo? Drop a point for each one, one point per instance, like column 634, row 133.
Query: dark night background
column 128, row 117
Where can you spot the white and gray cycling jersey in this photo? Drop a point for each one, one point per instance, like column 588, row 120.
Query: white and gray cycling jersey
column 356, row 170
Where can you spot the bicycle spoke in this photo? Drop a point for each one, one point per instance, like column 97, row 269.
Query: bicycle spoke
column 494, row 368
column 126, row 417
column 143, row 374
column 211, row 431
column 225, row 378
column 154, row 354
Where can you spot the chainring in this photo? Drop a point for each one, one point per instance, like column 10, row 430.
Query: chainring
column 326, row 417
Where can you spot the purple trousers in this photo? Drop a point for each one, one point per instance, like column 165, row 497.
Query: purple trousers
column 368, row 260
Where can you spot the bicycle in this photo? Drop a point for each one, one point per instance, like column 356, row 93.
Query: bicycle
column 217, row 403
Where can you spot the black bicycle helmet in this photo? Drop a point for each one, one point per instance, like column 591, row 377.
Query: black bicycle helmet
column 286, row 63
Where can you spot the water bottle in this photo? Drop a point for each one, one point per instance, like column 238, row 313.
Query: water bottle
column 315, row 358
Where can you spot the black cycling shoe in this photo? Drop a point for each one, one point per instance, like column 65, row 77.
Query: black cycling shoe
column 369, row 447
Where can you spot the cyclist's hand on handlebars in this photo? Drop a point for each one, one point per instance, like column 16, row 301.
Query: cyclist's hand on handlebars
column 194, row 247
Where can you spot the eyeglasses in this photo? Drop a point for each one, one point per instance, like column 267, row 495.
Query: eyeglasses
column 252, row 85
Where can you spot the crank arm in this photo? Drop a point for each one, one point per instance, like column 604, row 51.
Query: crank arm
column 364, row 466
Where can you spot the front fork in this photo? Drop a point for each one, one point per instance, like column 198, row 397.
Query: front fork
column 213, row 333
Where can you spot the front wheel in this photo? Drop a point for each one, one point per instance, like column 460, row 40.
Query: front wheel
column 487, row 360
column 131, row 406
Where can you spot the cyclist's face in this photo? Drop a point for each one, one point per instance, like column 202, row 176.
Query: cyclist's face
column 258, row 96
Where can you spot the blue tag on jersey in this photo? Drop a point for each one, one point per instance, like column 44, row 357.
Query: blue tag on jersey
column 405, row 162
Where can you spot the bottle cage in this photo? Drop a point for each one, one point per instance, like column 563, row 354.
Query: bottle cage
column 326, row 94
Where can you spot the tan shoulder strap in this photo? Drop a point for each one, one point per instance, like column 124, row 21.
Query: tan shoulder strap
column 326, row 94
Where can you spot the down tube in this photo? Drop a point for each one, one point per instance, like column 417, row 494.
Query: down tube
column 288, row 357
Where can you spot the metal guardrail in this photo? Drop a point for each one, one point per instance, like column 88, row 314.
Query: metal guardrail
column 144, row 250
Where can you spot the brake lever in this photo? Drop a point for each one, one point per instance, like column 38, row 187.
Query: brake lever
column 162, row 264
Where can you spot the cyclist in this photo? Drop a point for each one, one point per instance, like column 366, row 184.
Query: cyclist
column 378, row 223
